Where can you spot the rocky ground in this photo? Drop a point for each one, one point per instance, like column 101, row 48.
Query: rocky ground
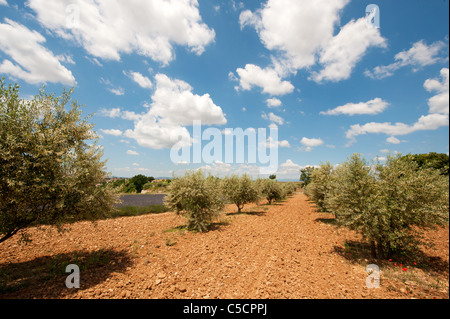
column 284, row 250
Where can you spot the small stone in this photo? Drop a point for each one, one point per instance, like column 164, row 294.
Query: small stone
column 181, row 288
column 161, row 275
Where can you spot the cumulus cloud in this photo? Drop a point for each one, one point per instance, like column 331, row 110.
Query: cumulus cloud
column 113, row 113
column 34, row 63
column 273, row 102
column 309, row 143
column 419, row 55
column 371, row 107
column 267, row 79
column 425, row 122
column 393, row 140
column 117, row 91
column 273, row 118
column 346, row 49
column 437, row 117
column 109, row 28
column 113, row 132
column 140, row 79
column 440, row 102
column 173, row 107
column 284, row 27
column 131, row 152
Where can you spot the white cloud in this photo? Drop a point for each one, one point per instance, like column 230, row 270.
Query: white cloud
column 283, row 143
column 131, row 152
column 64, row 58
column 270, row 143
column 117, row 91
column 113, row 132
column 34, row 63
column 94, row 61
column 346, row 49
column 3, row 3
column 440, row 102
column 109, row 28
column 217, row 168
column 309, row 143
column 285, row 28
column 371, row 107
column 273, row 118
column 425, row 122
column 288, row 170
column 419, row 55
column 393, row 140
column 267, row 79
column 273, row 102
column 437, row 117
column 140, row 79
column 115, row 112
column 173, row 107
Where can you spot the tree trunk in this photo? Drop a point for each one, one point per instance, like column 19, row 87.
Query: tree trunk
column 373, row 250
column 380, row 250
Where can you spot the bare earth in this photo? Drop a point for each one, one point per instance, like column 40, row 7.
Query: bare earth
column 286, row 250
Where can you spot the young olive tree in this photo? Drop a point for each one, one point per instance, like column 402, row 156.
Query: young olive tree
column 240, row 190
column 270, row 189
column 389, row 204
column 49, row 172
column 319, row 185
column 351, row 197
column 196, row 197
column 409, row 199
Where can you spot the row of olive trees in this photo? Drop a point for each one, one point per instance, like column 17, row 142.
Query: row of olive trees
column 387, row 203
column 51, row 169
column 200, row 198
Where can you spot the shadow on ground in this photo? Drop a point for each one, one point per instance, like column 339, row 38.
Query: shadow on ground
column 359, row 252
column 45, row 277
column 254, row 213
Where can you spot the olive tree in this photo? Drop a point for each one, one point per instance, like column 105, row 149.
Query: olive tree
column 50, row 163
column 389, row 204
column 409, row 199
column 319, row 185
column 270, row 189
column 196, row 197
column 240, row 190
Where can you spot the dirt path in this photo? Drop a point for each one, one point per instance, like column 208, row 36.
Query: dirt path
column 285, row 250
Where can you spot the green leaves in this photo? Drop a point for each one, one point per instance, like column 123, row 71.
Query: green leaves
column 48, row 172
column 240, row 190
column 196, row 197
column 388, row 204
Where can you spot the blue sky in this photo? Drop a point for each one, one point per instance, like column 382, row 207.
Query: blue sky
column 318, row 71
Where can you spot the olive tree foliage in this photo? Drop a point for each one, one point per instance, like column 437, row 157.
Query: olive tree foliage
column 388, row 204
column 48, row 171
column 196, row 197
column 319, row 185
column 270, row 189
column 240, row 190
column 408, row 200
column 289, row 188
